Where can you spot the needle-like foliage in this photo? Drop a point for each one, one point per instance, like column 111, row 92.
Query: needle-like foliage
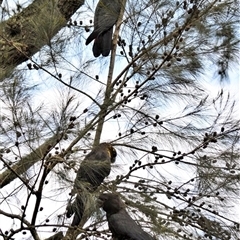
column 166, row 99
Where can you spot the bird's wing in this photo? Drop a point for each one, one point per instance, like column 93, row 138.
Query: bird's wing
column 95, row 167
column 124, row 227
column 106, row 15
column 92, row 173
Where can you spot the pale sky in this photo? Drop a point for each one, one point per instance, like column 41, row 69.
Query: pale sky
column 49, row 95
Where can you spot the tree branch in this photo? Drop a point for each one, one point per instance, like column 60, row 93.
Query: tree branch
column 19, row 38
column 26, row 162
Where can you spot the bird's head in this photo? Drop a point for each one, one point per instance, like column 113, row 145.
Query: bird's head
column 111, row 149
column 111, row 203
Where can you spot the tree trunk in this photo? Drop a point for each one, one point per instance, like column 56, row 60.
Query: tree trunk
column 27, row 32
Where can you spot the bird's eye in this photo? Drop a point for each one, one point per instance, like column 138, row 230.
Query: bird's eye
column 113, row 154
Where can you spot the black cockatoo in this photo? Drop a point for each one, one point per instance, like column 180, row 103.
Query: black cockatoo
column 106, row 15
column 122, row 226
column 93, row 169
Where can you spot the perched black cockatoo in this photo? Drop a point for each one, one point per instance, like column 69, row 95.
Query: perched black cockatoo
column 93, row 169
column 122, row 226
column 106, row 15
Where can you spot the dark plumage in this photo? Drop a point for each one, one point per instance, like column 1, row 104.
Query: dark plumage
column 106, row 15
column 93, row 169
column 122, row 226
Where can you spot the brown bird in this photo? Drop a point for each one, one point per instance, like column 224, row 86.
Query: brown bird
column 122, row 226
column 106, row 15
column 93, row 170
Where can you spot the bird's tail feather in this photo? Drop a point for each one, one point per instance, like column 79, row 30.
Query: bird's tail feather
column 76, row 208
column 103, row 43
